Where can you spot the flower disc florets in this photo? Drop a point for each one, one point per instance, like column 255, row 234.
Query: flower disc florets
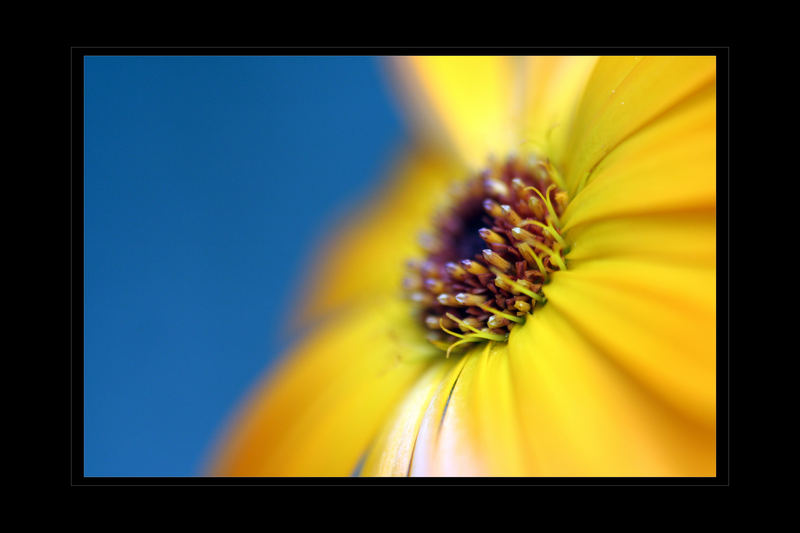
column 492, row 251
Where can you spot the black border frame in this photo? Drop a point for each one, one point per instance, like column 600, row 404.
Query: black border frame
column 74, row 238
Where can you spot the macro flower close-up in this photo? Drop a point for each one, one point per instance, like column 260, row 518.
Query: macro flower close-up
column 532, row 293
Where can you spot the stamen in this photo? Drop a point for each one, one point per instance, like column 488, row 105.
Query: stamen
column 434, row 285
column 522, row 306
column 530, row 239
column 490, row 256
column 512, row 318
column 455, row 270
column 469, row 323
column 492, row 208
column 496, row 321
column 527, row 252
column 495, row 188
column 473, row 267
column 495, row 259
column 536, row 205
column 510, row 215
column 491, row 237
column 546, row 199
column 546, row 227
column 561, row 198
column 469, row 299
column 447, row 299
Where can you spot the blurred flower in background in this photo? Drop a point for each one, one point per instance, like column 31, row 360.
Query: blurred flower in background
column 610, row 370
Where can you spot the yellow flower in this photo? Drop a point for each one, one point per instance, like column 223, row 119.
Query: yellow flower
column 615, row 375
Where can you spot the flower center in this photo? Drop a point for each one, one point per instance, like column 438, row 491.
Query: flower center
column 492, row 251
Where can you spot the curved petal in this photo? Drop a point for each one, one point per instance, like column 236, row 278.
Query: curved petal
column 552, row 89
column 447, row 444
column 584, row 415
column 468, row 425
column 319, row 412
column 496, row 417
column 668, row 166
column 623, row 95
column 470, row 103
column 393, row 451
column 643, row 257
column 368, row 255
column 686, row 237
column 654, row 319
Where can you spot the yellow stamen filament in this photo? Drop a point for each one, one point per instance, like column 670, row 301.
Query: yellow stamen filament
column 470, row 323
column 462, row 341
column 554, row 256
column 546, row 227
column 530, row 256
column 546, row 199
column 519, row 187
column 483, row 333
column 535, row 204
column 494, row 311
column 522, row 306
column 504, row 282
column 530, row 238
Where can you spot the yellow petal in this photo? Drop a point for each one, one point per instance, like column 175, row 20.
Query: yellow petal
column 623, row 95
column 447, row 444
column 585, row 415
column 461, row 419
column 656, row 320
column 552, row 89
column 687, row 237
column 472, row 102
column 668, row 166
column 393, row 451
column 495, row 416
column 317, row 415
column 368, row 255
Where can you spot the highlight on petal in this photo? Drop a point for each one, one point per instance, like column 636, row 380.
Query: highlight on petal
column 446, row 444
column 622, row 95
column 459, row 420
column 552, row 87
column 471, row 103
column 656, row 320
column 368, row 255
column 668, row 166
column 318, row 413
column 585, row 414
column 393, row 451
column 683, row 237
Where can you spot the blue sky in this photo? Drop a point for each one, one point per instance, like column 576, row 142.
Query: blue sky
column 208, row 181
